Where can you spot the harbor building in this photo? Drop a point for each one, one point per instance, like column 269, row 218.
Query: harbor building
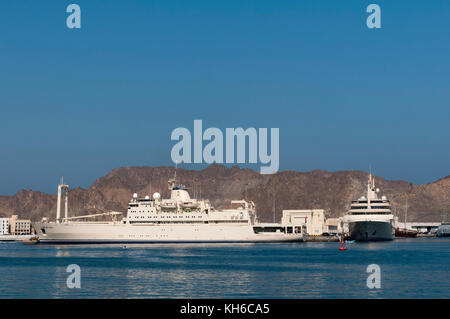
column 19, row 226
column 420, row 227
column 4, row 226
column 333, row 226
column 313, row 219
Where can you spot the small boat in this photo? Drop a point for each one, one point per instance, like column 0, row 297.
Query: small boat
column 348, row 238
column 168, row 206
column 443, row 230
column 403, row 232
column 189, row 205
column 349, row 241
column 31, row 241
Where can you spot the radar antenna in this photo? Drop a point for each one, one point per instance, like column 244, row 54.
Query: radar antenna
column 175, row 174
column 172, row 182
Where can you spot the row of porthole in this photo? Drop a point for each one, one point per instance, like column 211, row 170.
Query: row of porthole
column 134, row 236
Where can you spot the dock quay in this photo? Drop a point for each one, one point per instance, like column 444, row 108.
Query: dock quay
column 321, row 239
column 10, row 238
column 426, row 235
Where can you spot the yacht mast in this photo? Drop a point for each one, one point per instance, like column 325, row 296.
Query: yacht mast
column 406, row 211
column 274, row 208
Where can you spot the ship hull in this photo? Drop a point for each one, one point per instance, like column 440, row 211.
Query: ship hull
column 371, row 231
column 110, row 233
column 406, row 233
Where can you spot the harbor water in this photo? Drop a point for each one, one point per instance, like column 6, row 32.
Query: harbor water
column 410, row 268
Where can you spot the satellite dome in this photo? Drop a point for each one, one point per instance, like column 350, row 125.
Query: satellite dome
column 135, row 195
column 147, row 197
column 156, row 195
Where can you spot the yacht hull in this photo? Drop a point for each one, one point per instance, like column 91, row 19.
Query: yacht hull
column 371, row 231
column 98, row 233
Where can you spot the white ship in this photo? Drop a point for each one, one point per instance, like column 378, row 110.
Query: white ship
column 179, row 219
column 370, row 218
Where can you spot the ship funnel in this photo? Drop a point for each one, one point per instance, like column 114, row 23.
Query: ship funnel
column 62, row 188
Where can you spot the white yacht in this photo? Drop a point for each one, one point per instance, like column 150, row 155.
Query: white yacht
column 178, row 219
column 370, row 218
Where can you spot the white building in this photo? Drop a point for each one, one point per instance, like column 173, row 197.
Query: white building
column 19, row 226
column 421, row 227
column 333, row 226
column 4, row 226
column 313, row 219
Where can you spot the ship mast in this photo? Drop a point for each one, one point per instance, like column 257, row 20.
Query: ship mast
column 62, row 188
column 370, row 187
column 172, row 182
column 406, row 211
column 274, row 208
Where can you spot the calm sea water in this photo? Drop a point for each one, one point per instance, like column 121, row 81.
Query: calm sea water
column 410, row 268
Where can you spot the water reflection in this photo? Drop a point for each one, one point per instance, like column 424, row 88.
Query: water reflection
column 410, row 269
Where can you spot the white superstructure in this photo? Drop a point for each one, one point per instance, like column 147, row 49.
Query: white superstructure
column 179, row 218
column 370, row 218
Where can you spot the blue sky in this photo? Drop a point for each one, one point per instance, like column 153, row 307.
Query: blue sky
column 79, row 103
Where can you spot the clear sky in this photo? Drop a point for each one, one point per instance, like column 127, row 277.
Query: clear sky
column 79, row 103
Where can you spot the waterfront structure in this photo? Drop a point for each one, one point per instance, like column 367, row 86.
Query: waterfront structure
column 313, row 219
column 19, row 226
column 333, row 226
column 179, row 218
column 370, row 218
column 421, row 227
column 4, row 226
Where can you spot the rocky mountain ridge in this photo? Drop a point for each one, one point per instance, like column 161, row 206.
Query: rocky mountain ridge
column 331, row 191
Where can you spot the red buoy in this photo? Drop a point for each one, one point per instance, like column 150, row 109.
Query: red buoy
column 342, row 247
